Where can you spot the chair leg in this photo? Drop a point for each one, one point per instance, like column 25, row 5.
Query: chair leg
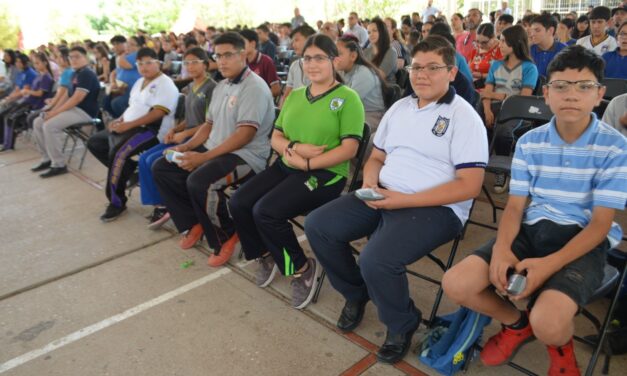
column 319, row 287
column 80, row 165
column 606, row 324
column 438, row 297
column 67, row 136
column 489, row 197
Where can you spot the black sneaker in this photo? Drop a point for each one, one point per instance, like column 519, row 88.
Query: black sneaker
column 500, row 183
column 159, row 217
column 54, row 171
column 41, row 166
column 112, row 213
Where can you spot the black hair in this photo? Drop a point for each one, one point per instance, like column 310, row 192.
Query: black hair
column 439, row 45
column 327, row 45
column 383, row 44
column 264, row 28
column 199, row 53
column 557, row 16
column 443, row 30
column 516, row 37
column 351, row 43
column 118, row 39
column 250, row 36
column 44, row 59
column 234, row 39
column 486, row 29
column 9, row 52
column 601, row 13
column 528, row 18
column 507, row 18
column 79, row 49
column 146, row 52
column 568, row 22
column 138, row 40
column 577, row 57
column 546, row 20
column 65, row 54
column 304, row 30
column 575, row 34
column 190, row 41
column 23, row 58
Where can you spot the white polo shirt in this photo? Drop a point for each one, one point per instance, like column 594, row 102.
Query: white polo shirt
column 425, row 147
column 608, row 45
column 159, row 93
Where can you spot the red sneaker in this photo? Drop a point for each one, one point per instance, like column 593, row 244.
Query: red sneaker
column 225, row 252
column 192, row 237
column 501, row 347
column 563, row 362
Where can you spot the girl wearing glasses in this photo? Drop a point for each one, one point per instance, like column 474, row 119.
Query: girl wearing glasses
column 486, row 50
column 316, row 134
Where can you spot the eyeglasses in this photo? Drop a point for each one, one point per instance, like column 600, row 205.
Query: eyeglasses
column 584, row 86
column 147, row 62
column 316, row 58
column 74, row 57
column 622, row 35
column 429, row 69
column 192, row 62
column 226, row 55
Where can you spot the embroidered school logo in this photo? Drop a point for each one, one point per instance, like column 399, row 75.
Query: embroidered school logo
column 336, row 103
column 232, row 101
column 152, row 89
column 440, row 127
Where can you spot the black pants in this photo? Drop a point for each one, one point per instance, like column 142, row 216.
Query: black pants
column 397, row 238
column 115, row 151
column 262, row 207
column 186, row 195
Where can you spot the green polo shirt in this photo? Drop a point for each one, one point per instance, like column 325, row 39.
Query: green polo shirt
column 323, row 120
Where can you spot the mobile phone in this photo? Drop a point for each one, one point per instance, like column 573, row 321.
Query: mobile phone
column 516, row 282
column 173, row 156
column 368, row 194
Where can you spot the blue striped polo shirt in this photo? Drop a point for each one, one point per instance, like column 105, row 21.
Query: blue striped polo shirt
column 566, row 181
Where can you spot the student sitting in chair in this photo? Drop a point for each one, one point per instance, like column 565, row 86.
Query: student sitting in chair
column 572, row 170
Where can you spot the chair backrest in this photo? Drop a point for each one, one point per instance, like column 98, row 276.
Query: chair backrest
column 402, row 78
column 179, row 114
column 539, row 84
column 359, row 157
column 176, row 67
column 614, row 87
column 522, row 107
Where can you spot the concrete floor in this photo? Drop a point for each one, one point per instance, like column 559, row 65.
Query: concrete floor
column 79, row 297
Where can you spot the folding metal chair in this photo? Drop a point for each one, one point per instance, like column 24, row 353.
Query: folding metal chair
column 614, row 87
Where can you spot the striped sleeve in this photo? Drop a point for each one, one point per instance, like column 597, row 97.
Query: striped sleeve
column 521, row 178
column 611, row 190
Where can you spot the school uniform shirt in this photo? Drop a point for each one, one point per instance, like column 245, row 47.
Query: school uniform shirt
column 325, row 119
column 615, row 65
column 511, row 82
column 263, row 66
column 567, row 181
column 426, row 146
column 295, row 76
column 160, row 93
column 244, row 101
column 268, row 48
column 43, row 82
column 542, row 58
column 480, row 61
column 129, row 76
column 197, row 102
column 25, row 77
column 85, row 79
column 66, row 78
column 607, row 45
column 462, row 65
column 367, row 84
column 614, row 111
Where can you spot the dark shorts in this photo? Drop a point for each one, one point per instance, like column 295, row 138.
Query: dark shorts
column 579, row 279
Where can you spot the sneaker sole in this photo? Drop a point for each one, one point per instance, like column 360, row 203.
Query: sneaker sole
column 158, row 224
column 275, row 269
column 314, row 285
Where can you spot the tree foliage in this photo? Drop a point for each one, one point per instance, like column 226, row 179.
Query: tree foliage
column 10, row 28
column 126, row 16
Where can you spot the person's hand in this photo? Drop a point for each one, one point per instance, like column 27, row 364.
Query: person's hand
column 295, row 160
column 393, row 200
column 191, row 160
column 119, row 127
column 538, row 271
column 49, row 115
column 179, row 138
column 47, row 100
column 502, row 260
column 308, row 150
column 489, row 117
column 169, row 137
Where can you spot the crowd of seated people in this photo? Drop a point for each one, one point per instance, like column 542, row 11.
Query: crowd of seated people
column 426, row 158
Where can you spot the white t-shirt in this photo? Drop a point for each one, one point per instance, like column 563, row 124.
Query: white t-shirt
column 159, row 93
column 295, row 76
column 608, row 45
column 429, row 11
column 425, row 147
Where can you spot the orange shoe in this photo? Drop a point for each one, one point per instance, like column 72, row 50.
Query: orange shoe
column 226, row 252
column 563, row 362
column 192, row 237
column 501, row 347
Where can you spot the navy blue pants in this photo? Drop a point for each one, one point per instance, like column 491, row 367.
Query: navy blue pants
column 397, row 238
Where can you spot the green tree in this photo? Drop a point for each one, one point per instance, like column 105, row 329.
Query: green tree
column 126, row 16
column 10, row 28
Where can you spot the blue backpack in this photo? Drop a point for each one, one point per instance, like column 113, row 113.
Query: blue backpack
column 447, row 345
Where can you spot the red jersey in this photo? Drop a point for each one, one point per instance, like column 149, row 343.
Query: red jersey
column 264, row 67
column 480, row 62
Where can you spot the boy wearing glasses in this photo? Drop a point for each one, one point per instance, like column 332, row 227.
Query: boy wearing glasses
column 428, row 162
column 571, row 169
column 149, row 116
